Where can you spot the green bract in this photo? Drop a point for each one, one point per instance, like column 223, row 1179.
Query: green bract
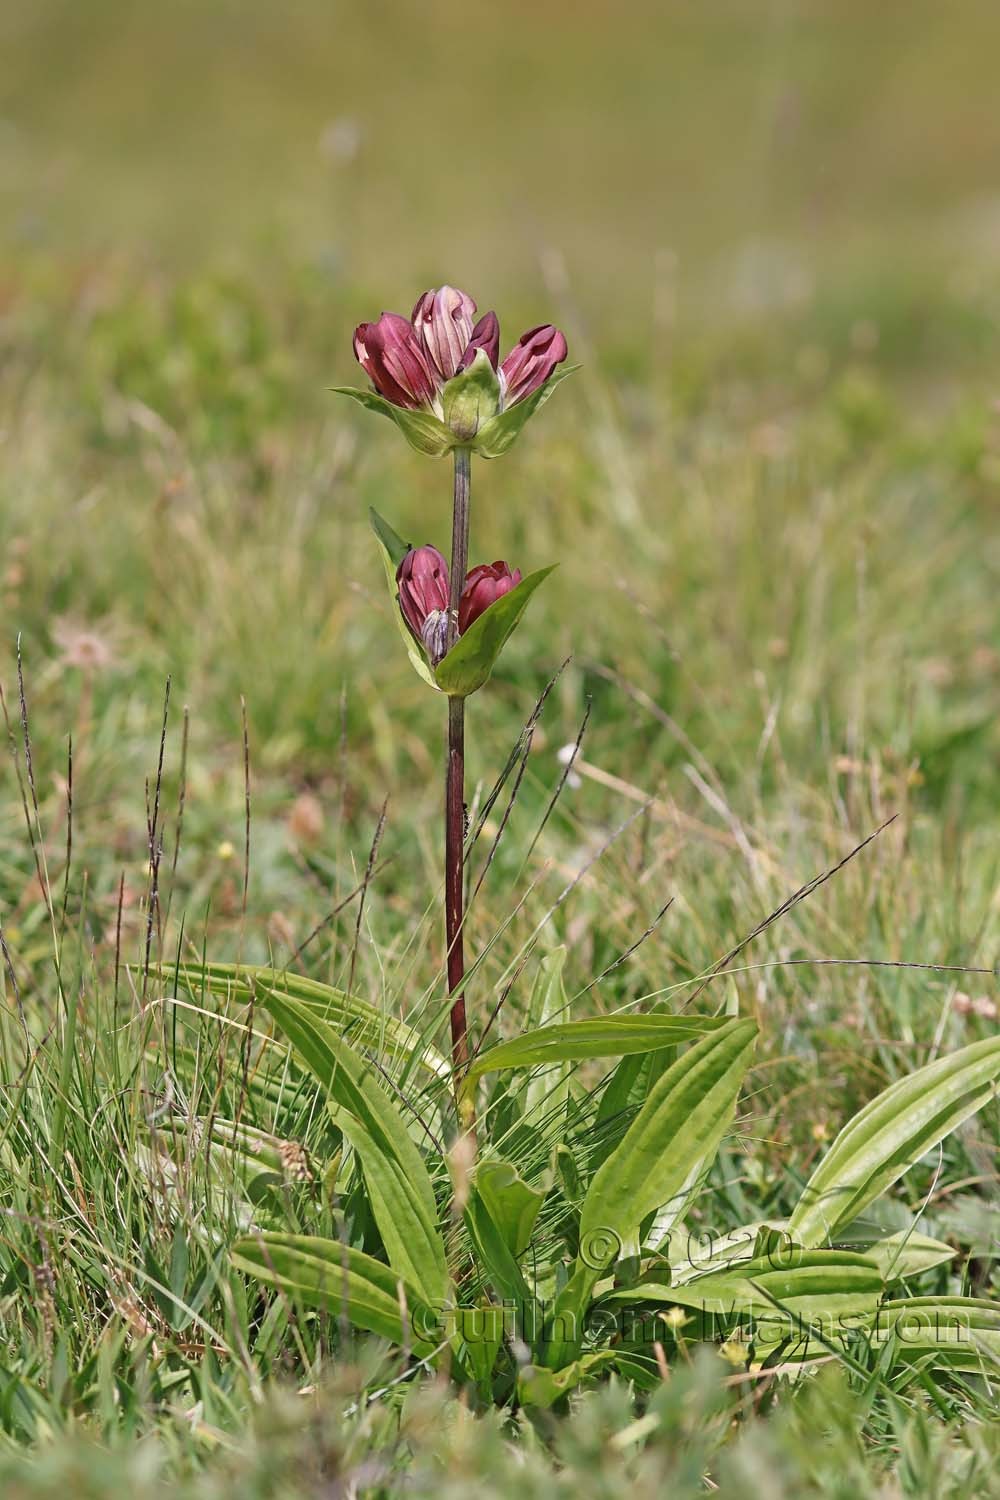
column 421, row 429
column 392, row 550
column 471, row 660
column 470, row 404
column 503, row 431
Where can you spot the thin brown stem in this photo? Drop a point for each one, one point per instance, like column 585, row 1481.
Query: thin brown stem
column 454, row 877
column 454, row 817
column 459, row 539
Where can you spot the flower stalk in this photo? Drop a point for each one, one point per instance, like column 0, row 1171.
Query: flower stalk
column 439, row 377
column 454, row 859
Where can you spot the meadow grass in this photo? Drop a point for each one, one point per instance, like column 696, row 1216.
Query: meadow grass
column 772, row 493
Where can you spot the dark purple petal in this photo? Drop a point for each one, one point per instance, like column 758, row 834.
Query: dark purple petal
column 531, row 361
column 422, row 580
column 392, row 358
column 485, row 335
column 484, row 585
column 442, row 320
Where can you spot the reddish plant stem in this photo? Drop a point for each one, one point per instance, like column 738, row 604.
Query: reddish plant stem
column 454, row 836
column 454, row 878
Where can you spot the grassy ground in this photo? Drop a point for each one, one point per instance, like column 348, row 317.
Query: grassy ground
column 770, row 233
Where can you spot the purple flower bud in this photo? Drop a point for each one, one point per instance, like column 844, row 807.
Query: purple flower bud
column 531, row 361
column 484, row 585
column 442, row 320
column 390, row 354
column 422, row 580
column 485, row 335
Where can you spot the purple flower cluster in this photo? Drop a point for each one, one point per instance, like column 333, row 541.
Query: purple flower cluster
column 409, row 360
column 422, row 580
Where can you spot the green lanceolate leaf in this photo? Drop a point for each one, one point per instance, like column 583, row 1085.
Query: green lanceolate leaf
column 543, row 1388
column 695, row 1253
column 478, row 1334
column 669, row 1215
column 422, row 429
column 957, row 1333
column 390, row 539
column 329, row 1275
column 494, row 1256
column 389, row 548
column 512, row 1204
column 604, row 1036
column 891, row 1133
column 909, row 1254
column 830, row 1291
column 363, row 1022
column 470, row 399
column 471, row 660
column 399, row 1188
column 502, row 432
column 682, row 1121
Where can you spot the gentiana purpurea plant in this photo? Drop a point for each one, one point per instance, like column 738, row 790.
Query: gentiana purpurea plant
column 439, row 376
column 490, row 1243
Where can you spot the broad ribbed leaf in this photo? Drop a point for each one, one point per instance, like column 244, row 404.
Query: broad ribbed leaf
column 544, row 1387
column 682, row 1122
column 669, row 1216
column 471, row 660
column 900, row 1255
column 478, row 1334
column 909, row 1254
column 698, row 1251
column 684, row 1118
column 956, row 1333
column 890, row 1134
column 496, row 1259
column 422, row 429
column 362, row 1021
column 402, row 1199
column 324, row 1273
column 604, row 1036
column 831, row 1291
column 512, row 1204
column 388, row 551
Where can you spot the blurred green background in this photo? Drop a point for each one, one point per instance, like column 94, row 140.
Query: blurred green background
column 400, row 143
column 770, row 231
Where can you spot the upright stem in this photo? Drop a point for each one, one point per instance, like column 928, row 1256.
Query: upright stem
column 459, row 538
column 454, row 855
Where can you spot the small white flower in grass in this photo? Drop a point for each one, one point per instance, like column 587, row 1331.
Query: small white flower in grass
column 565, row 757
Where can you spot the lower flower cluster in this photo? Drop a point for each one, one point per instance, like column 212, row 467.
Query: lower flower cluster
column 422, row 579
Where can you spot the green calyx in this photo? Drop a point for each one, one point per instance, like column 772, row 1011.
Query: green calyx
column 471, row 399
column 470, row 412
